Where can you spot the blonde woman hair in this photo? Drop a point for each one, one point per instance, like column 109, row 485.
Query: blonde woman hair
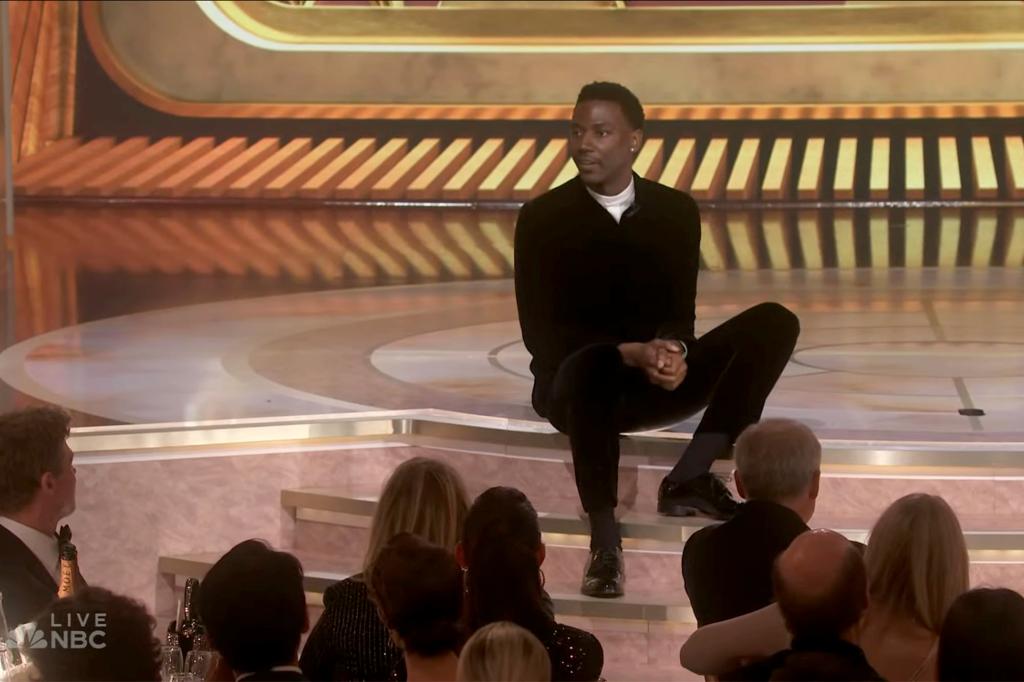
column 503, row 652
column 917, row 560
column 424, row 497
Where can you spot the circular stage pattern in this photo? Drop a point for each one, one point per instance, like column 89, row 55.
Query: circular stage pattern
column 888, row 356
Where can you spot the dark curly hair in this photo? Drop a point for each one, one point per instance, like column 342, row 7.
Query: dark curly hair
column 121, row 645
column 417, row 587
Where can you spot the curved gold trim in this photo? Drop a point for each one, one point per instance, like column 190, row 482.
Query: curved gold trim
column 558, row 26
column 153, row 98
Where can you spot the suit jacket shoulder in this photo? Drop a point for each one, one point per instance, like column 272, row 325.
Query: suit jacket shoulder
column 26, row 584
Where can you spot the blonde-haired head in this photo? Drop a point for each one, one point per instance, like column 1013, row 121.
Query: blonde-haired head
column 503, row 652
column 424, row 497
column 917, row 560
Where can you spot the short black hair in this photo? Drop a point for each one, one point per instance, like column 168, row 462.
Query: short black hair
column 254, row 607
column 831, row 613
column 620, row 94
column 417, row 587
column 981, row 636
column 120, row 647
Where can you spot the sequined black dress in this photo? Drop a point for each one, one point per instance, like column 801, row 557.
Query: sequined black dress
column 576, row 655
column 349, row 642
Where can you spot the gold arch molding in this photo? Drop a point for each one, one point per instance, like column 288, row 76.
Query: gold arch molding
column 373, row 62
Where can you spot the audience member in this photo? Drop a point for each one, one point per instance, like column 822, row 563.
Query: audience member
column 253, row 605
column 821, row 589
column 982, row 637
column 503, row 652
column 417, row 588
column 727, row 568
column 424, row 497
column 95, row 635
column 37, row 490
column 502, row 552
column 916, row 564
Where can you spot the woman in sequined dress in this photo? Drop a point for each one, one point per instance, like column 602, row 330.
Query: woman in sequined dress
column 501, row 552
column 424, row 497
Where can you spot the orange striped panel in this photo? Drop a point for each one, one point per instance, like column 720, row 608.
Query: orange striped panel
column 147, row 179
column 395, row 182
column 710, row 177
column 324, row 180
column 498, row 184
column 914, row 162
column 428, row 184
column 983, row 169
column 681, row 165
column 72, row 179
column 252, row 183
column 464, row 183
column 878, row 182
column 182, row 178
column 358, row 184
column 287, row 183
column 743, row 179
column 949, row 169
column 846, row 162
column 105, row 183
column 74, row 157
column 217, row 182
column 568, row 172
column 777, row 174
column 809, row 184
column 543, row 170
column 46, row 155
column 649, row 161
column 1015, row 166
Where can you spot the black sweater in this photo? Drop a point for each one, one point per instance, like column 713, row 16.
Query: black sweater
column 582, row 278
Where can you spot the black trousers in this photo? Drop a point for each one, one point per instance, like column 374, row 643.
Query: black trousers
column 730, row 370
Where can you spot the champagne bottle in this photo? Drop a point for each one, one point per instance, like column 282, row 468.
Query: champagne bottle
column 189, row 626
column 68, row 570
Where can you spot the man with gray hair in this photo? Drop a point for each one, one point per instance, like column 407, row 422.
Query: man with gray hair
column 727, row 568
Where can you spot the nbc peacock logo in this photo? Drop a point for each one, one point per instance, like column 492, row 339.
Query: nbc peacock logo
column 26, row 637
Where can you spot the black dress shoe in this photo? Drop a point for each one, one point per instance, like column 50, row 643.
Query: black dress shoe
column 605, row 575
column 705, row 495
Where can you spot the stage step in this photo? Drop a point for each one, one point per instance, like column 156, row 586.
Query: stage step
column 337, row 507
column 321, row 573
column 988, row 501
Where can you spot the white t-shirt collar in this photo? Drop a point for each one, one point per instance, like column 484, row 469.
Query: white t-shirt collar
column 617, row 204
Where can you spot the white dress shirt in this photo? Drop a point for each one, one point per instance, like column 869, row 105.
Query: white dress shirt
column 42, row 545
column 618, row 203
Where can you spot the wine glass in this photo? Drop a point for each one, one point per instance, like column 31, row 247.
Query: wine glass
column 171, row 661
column 199, row 663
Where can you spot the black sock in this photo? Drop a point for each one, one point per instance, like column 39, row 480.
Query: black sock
column 702, row 451
column 604, row 530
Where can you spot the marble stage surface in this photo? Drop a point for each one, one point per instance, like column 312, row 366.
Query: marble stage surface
column 894, row 355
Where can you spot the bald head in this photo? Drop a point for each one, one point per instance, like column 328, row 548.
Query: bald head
column 820, row 584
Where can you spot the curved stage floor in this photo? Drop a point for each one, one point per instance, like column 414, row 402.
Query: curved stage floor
column 884, row 355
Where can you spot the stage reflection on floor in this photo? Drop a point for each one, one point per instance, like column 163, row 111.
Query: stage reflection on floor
column 909, row 315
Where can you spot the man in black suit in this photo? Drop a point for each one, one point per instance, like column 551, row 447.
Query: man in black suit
column 727, row 569
column 37, row 490
column 606, row 280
